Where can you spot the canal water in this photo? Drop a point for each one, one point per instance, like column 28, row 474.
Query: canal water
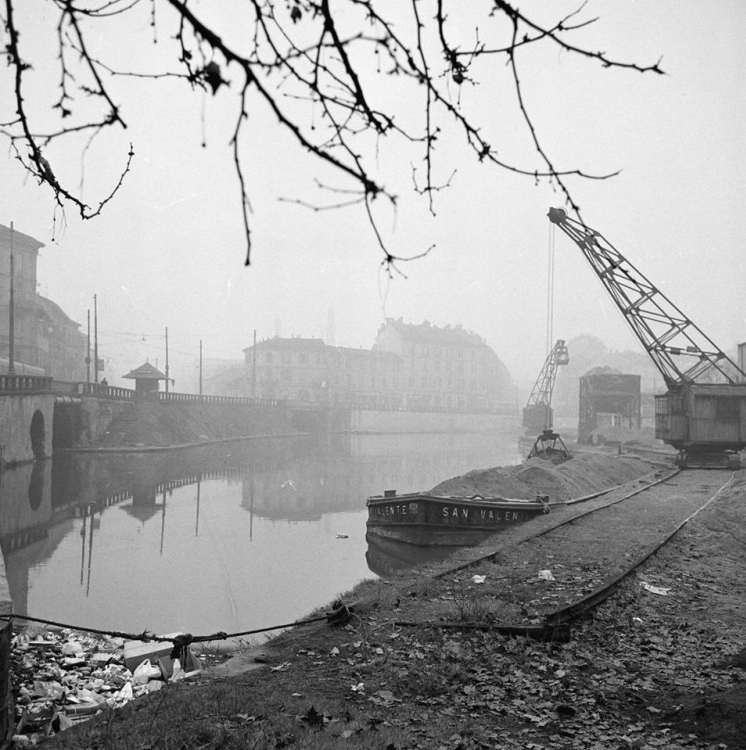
column 230, row 537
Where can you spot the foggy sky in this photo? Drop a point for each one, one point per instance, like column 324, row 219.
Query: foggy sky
column 169, row 250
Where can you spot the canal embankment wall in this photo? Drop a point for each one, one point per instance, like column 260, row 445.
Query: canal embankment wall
column 368, row 420
column 100, row 423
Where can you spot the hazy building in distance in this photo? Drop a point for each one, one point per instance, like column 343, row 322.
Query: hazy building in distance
column 44, row 336
column 416, row 367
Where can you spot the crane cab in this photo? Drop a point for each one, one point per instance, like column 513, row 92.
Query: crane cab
column 705, row 422
column 561, row 355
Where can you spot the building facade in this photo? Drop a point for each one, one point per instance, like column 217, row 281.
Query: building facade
column 44, row 337
column 416, row 367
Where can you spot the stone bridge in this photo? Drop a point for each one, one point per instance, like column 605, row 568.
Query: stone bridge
column 26, row 418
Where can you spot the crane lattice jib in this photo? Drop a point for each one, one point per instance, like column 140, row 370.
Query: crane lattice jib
column 678, row 348
column 544, row 385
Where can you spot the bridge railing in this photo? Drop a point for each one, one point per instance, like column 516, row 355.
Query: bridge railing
column 25, row 383
column 198, row 399
column 105, row 391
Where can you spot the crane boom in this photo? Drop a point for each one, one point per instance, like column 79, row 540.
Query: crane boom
column 703, row 413
column 680, row 350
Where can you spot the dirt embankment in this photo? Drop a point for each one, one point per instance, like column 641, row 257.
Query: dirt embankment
column 582, row 475
column 173, row 424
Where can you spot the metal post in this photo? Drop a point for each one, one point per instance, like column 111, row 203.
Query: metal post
column 200, row 367
column 95, row 339
column 88, row 352
column 253, row 386
column 166, row 359
column 11, row 311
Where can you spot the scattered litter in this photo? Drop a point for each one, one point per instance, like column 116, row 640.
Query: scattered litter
column 61, row 678
column 359, row 688
column 546, row 575
column 281, row 667
column 144, row 672
column 342, row 536
column 478, row 579
column 661, row 590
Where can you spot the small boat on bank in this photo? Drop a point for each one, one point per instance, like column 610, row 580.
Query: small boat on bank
column 434, row 520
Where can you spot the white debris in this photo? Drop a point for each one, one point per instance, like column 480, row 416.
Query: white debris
column 660, row 590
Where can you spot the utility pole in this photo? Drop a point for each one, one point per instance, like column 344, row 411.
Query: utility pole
column 200, row 367
column 166, row 359
column 253, row 379
column 11, row 312
column 95, row 339
column 88, row 352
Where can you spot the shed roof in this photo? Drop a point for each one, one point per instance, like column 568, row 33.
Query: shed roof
column 145, row 372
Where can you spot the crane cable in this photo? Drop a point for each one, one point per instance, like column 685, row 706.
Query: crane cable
column 550, row 289
column 550, row 318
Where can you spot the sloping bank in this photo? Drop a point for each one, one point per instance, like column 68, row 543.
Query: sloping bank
column 158, row 425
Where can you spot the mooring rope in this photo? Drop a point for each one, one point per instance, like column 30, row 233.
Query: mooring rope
column 339, row 615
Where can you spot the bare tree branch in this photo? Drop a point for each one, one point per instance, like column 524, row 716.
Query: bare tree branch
column 308, row 63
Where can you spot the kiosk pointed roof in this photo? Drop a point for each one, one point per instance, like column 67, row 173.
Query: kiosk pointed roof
column 145, row 372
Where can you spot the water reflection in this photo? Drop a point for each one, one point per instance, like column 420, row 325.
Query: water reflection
column 387, row 557
column 226, row 537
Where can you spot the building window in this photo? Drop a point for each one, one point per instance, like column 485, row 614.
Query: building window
column 286, row 357
column 319, row 359
column 268, row 358
column 303, row 358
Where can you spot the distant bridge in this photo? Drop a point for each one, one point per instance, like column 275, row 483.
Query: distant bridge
column 28, row 419
column 26, row 415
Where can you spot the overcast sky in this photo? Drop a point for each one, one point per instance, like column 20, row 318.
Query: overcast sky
column 169, row 249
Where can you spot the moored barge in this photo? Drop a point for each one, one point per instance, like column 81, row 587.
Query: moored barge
column 434, row 520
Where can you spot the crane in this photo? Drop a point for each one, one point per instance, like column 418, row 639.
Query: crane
column 703, row 412
column 537, row 414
